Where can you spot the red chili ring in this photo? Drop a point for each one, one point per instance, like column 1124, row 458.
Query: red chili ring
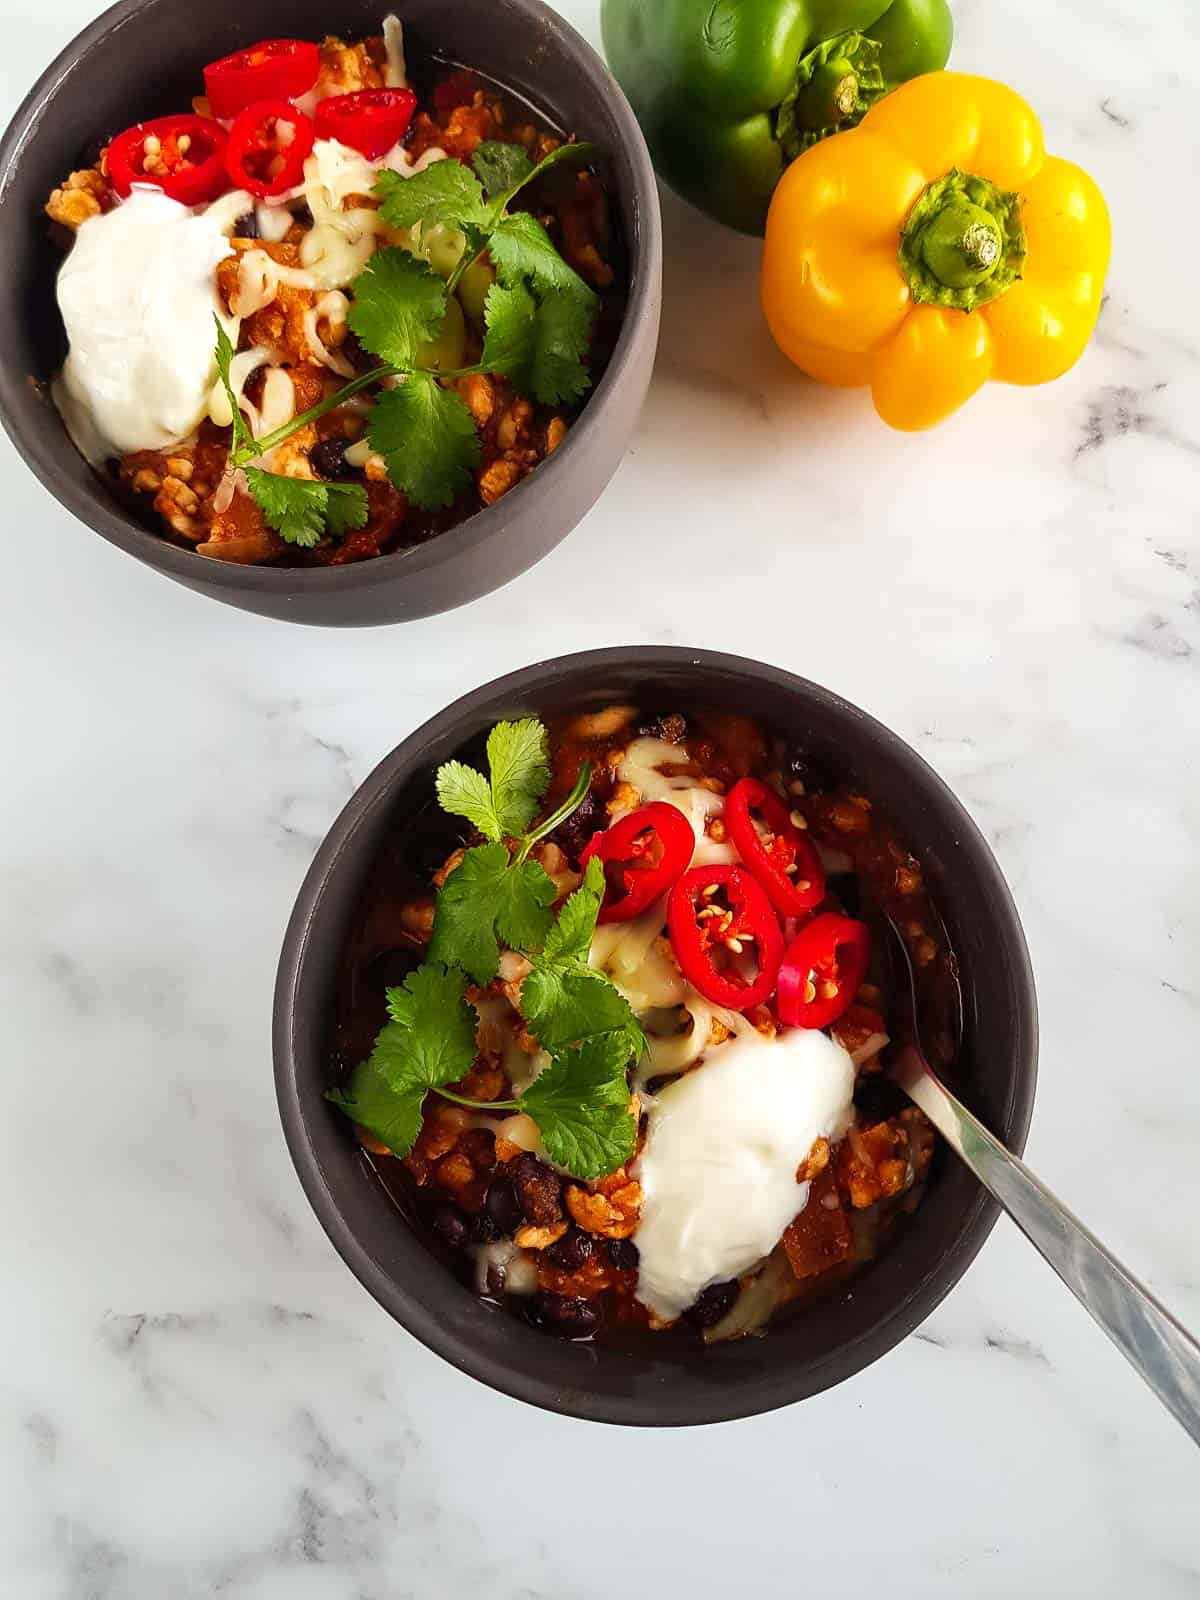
column 643, row 885
column 192, row 175
column 370, row 121
column 792, row 894
column 697, row 935
column 830, row 951
column 273, row 69
column 254, row 139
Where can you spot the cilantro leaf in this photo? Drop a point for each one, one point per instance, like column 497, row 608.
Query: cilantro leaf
column 445, row 192
column 485, row 896
column 561, row 333
column 301, row 509
column 467, row 793
column 565, row 155
column 581, row 1106
column 571, row 936
column 429, row 1041
column 563, row 999
column 520, row 767
column 568, row 1001
column 502, row 167
column 427, row 437
column 223, row 356
column 393, row 1116
column 346, row 507
column 398, row 304
column 431, row 1004
column 539, row 346
column 509, row 316
column 521, row 248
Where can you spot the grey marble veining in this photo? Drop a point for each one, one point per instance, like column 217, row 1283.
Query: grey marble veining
column 196, row 1399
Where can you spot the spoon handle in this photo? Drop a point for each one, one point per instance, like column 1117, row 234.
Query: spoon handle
column 1145, row 1332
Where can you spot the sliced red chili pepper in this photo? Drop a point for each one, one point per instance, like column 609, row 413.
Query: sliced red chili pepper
column 703, row 932
column 183, row 156
column 268, row 146
column 823, row 970
column 644, row 852
column 273, row 69
column 786, row 862
column 370, row 121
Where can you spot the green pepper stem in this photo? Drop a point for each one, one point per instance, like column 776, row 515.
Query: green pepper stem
column 829, row 97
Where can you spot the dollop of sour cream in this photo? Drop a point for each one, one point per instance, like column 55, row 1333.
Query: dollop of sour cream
column 718, row 1169
column 137, row 294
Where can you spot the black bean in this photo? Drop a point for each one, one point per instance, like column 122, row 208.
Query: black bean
column 539, row 1189
column 329, row 459
column 503, row 1206
column 804, row 768
column 568, row 1315
column 389, row 968
column 572, row 1251
column 712, row 1304
column 483, row 1229
column 848, row 890
column 429, row 845
column 450, row 1226
column 623, row 1253
column 670, row 727
column 246, row 226
column 573, row 835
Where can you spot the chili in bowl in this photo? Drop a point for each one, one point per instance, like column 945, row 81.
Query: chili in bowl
column 339, row 301
column 582, row 1045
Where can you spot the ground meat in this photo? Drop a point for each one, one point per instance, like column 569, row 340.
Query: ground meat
column 281, row 325
column 819, row 1237
column 513, row 436
column 586, row 230
column 872, row 1163
column 83, row 195
column 346, row 68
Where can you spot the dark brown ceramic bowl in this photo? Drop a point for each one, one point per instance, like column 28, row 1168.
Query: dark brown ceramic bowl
column 808, row 1349
column 144, row 58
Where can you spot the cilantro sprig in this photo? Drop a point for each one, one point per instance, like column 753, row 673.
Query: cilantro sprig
column 580, row 1100
column 496, row 893
column 300, row 510
column 538, row 319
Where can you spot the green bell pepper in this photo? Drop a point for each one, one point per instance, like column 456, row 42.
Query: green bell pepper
column 728, row 92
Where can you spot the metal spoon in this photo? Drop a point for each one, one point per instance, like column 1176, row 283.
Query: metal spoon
column 1143, row 1330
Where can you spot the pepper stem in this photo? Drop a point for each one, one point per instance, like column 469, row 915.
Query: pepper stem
column 963, row 243
column 829, row 97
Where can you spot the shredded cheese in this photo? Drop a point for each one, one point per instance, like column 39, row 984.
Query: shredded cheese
column 396, row 72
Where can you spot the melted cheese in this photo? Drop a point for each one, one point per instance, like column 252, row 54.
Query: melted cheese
column 629, row 952
column 395, row 74
column 332, row 308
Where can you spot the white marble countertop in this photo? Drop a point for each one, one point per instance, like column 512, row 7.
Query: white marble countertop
column 196, row 1397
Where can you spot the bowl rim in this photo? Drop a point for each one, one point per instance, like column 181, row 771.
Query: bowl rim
column 39, row 447
column 719, row 1405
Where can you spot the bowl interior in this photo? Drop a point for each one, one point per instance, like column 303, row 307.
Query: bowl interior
column 100, row 85
column 818, row 1345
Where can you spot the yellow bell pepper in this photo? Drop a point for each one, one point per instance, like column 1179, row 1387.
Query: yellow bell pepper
column 933, row 247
